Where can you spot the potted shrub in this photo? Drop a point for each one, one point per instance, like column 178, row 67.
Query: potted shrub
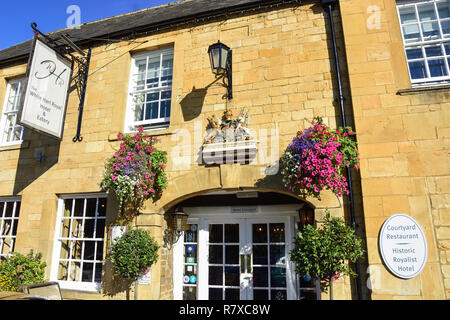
column 324, row 253
column 316, row 159
column 133, row 254
column 136, row 172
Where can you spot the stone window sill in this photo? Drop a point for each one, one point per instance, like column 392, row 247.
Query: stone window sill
column 427, row 89
column 154, row 133
column 18, row 146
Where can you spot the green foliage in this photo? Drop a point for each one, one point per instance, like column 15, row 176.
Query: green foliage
column 19, row 270
column 133, row 253
column 324, row 253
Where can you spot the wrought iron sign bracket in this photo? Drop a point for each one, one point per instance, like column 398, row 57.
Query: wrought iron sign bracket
column 82, row 63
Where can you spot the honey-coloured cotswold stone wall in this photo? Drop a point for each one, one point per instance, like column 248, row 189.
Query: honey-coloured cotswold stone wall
column 403, row 136
column 282, row 73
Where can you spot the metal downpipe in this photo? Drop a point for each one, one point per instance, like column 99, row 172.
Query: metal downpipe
column 329, row 5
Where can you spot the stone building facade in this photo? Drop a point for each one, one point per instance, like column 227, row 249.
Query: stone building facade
column 284, row 75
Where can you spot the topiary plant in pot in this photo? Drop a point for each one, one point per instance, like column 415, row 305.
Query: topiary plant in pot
column 133, row 254
column 325, row 253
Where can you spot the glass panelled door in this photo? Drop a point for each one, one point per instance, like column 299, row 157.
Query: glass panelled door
column 246, row 260
column 223, row 261
column 269, row 261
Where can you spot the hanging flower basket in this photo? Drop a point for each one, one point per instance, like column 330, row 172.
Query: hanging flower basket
column 316, row 159
column 136, row 172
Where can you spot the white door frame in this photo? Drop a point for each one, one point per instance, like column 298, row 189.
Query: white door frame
column 227, row 214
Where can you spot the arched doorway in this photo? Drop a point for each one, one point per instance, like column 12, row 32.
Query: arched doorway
column 237, row 247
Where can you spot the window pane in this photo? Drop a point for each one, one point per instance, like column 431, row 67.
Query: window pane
column 91, row 207
column 260, row 255
column 232, row 254
column 88, row 272
column 276, row 232
column 444, row 9
column 215, row 276
column 417, row 70
column 232, row 294
column 426, row 12
column 407, row 15
column 232, row 233
column 277, row 255
column 232, row 276
column 100, row 229
column 139, row 107
column 430, row 31
column 216, row 254
column 411, row 33
column 98, row 272
column 89, row 250
column 278, row 277
column 89, row 225
column 445, row 25
column 102, row 207
column 278, row 295
column 434, row 51
column 259, row 233
column 414, row 53
column 79, row 208
column 261, row 294
column 260, row 277
column 215, row 233
column 437, row 68
column 215, row 294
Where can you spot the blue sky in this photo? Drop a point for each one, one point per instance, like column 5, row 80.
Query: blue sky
column 16, row 16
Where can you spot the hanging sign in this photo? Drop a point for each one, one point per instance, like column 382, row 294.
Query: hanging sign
column 44, row 102
column 403, row 246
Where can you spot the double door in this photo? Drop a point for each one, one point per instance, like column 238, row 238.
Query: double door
column 241, row 259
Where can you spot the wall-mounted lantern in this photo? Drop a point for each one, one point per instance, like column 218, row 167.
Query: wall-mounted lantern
column 221, row 64
column 306, row 216
column 175, row 227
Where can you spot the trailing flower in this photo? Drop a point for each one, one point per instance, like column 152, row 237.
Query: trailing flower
column 316, row 159
column 136, row 172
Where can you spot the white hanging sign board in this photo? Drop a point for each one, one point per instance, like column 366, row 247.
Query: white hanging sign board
column 44, row 102
column 403, row 246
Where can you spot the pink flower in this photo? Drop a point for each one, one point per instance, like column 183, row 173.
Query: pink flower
column 113, row 177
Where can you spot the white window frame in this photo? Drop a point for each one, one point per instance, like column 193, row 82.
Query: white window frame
column 4, row 123
column 422, row 44
column 67, row 284
column 8, row 230
column 161, row 122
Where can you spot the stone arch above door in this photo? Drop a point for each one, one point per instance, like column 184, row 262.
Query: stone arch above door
column 228, row 177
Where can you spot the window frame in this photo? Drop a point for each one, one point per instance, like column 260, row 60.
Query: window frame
column 132, row 125
column 92, row 286
column 5, row 113
column 423, row 44
column 14, row 219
